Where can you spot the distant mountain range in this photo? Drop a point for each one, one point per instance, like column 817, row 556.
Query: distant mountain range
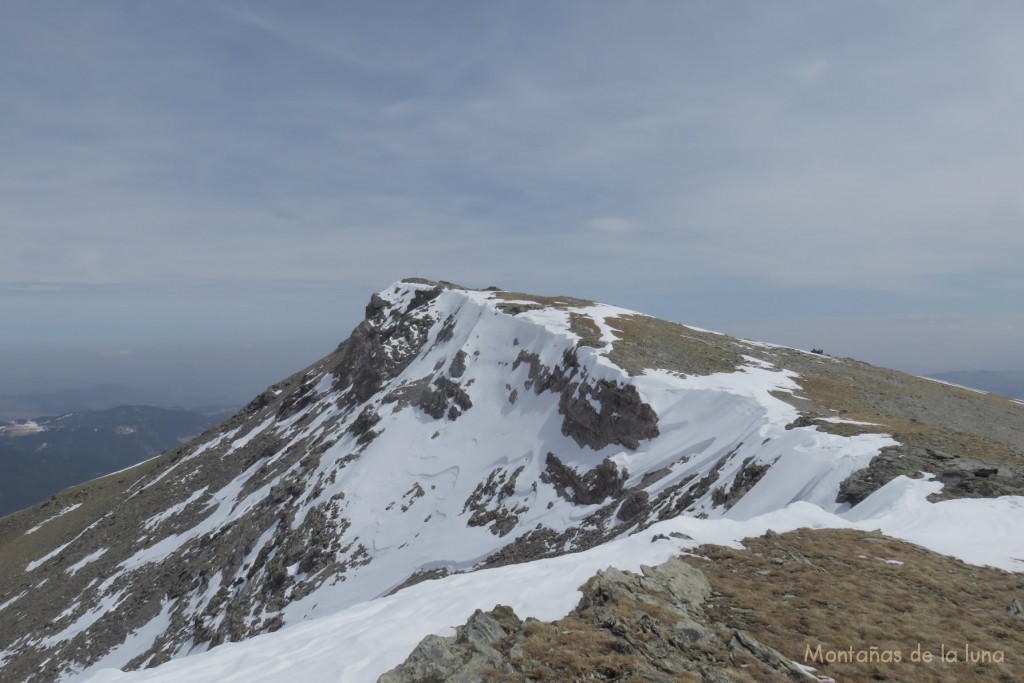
column 21, row 406
column 46, row 454
column 1005, row 382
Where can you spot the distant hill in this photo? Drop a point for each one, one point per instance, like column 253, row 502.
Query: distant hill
column 43, row 455
column 1005, row 382
column 101, row 397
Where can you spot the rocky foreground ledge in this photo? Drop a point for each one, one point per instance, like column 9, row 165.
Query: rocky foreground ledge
column 807, row 605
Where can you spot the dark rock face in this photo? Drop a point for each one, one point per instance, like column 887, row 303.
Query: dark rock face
column 595, row 486
column 691, row 494
column 622, row 418
column 381, row 346
column 458, row 364
column 960, row 476
column 362, row 426
column 487, row 502
column 634, row 505
column 445, row 398
column 648, row 626
column 750, row 473
column 423, row 296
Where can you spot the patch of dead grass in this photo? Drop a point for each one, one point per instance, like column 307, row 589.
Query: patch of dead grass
column 854, row 403
column 850, row 596
column 96, row 497
column 557, row 302
column 587, row 330
column 644, row 342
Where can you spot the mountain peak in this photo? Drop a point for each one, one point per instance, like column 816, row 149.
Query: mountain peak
column 459, row 429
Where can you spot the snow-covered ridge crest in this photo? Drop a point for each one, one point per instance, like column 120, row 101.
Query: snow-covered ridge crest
column 454, row 430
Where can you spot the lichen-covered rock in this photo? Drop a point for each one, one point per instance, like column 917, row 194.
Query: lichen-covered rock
column 465, row 658
column 644, row 627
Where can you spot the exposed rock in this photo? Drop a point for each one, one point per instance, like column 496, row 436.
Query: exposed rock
column 423, row 296
column 362, row 426
column 750, row 473
column 466, row 657
column 622, row 418
column 487, row 502
column 592, row 487
column 635, row 504
column 446, row 398
column 458, row 364
column 643, row 627
column 961, row 477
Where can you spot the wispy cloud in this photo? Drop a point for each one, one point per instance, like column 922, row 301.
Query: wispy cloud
column 870, row 152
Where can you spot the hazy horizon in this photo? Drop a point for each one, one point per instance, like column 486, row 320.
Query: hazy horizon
column 189, row 371
column 203, row 195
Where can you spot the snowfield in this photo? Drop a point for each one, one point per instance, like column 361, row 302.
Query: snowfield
column 360, row 643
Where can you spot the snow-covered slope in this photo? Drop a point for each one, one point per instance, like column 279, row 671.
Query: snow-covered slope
column 455, row 430
column 360, row 643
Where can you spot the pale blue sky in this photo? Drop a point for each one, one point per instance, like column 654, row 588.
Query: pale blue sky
column 837, row 174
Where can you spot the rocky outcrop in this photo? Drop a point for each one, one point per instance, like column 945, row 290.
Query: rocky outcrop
column 960, row 475
column 623, row 418
column 488, row 504
column 620, row 417
column 592, row 487
column 645, row 627
column 444, row 398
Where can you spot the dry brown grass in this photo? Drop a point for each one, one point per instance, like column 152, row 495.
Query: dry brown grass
column 572, row 649
column 569, row 650
column 840, row 394
column 646, row 342
column 95, row 498
column 849, row 596
column 586, row 328
column 558, row 302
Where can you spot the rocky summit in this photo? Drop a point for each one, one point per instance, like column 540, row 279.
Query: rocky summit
column 458, row 447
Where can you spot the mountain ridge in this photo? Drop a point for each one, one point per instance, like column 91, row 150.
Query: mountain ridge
column 42, row 455
column 1006, row 382
column 459, row 429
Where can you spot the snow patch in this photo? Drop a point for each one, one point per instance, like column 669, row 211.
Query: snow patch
column 37, row 527
column 31, row 566
column 91, row 557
